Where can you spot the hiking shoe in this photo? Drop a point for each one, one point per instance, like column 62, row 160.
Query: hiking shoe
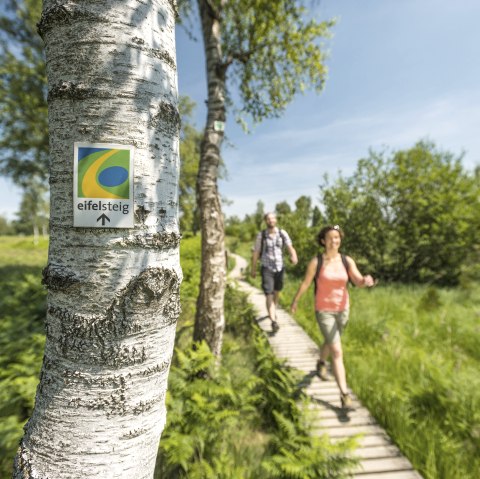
column 275, row 326
column 322, row 370
column 346, row 400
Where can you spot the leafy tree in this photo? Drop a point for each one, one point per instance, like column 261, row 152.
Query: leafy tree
column 259, row 214
column 303, row 209
column 435, row 203
column 34, row 209
column 317, row 217
column 297, row 223
column 6, row 227
column 270, row 51
column 361, row 205
column 190, row 157
column 23, row 106
column 241, row 230
column 282, row 209
column 411, row 215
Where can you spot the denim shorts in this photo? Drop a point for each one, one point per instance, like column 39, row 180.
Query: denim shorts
column 332, row 324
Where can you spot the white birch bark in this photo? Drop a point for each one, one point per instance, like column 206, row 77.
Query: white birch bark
column 113, row 294
column 210, row 319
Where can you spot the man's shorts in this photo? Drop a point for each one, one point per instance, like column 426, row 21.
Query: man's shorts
column 332, row 324
column 272, row 280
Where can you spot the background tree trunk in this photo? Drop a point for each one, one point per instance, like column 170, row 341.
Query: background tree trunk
column 113, row 294
column 210, row 320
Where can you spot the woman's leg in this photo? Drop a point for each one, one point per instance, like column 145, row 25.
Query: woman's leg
column 338, row 366
column 324, row 352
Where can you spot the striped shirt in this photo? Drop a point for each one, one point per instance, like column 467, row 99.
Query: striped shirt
column 272, row 255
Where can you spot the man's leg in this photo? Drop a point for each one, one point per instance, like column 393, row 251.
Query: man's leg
column 277, row 287
column 268, row 286
column 272, row 305
column 276, row 294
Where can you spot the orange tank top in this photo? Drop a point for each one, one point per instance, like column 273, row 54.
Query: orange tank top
column 332, row 293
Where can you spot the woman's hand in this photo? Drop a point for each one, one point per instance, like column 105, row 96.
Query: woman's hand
column 293, row 306
column 368, row 281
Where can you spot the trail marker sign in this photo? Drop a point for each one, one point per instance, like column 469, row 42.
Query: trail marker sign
column 103, row 185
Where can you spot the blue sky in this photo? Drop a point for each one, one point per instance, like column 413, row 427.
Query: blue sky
column 399, row 71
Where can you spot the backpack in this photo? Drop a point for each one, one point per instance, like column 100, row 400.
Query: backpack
column 264, row 238
column 319, row 267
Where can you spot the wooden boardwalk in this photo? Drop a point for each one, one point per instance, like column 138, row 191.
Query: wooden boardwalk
column 379, row 457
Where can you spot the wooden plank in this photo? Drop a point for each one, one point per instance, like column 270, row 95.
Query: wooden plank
column 307, row 359
column 325, row 413
column 348, row 431
column 341, row 422
column 325, row 387
column 383, row 465
column 412, row 474
column 369, row 441
column 376, row 452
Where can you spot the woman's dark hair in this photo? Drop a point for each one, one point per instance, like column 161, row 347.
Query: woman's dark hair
column 325, row 230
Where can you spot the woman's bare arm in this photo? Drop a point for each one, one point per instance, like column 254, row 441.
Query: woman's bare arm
column 357, row 278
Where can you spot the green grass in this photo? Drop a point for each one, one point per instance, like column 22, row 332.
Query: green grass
column 244, row 423
column 22, row 310
column 243, row 249
column 412, row 355
column 234, row 425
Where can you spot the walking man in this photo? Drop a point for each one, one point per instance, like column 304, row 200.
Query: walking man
column 269, row 248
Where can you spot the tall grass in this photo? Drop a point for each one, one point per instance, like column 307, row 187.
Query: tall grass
column 412, row 355
column 243, row 423
column 240, row 419
column 22, row 310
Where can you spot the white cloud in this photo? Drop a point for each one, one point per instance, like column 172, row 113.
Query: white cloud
column 287, row 163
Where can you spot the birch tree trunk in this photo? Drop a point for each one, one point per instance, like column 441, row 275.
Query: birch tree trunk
column 210, row 320
column 113, row 294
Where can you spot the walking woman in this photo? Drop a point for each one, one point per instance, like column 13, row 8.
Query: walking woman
column 331, row 272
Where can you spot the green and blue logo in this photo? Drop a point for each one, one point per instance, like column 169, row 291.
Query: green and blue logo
column 103, row 173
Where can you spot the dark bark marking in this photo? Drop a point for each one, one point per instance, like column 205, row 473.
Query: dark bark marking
column 138, row 41
column 76, row 91
column 167, row 119
column 118, row 356
column 164, row 56
column 76, row 377
column 115, row 404
column 57, row 15
column 156, row 241
column 58, row 278
column 144, row 406
column 81, row 335
column 158, row 368
column 65, row 13
column 23, row 464
column 141, row 214
column 174, row 7
column 134, row 433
